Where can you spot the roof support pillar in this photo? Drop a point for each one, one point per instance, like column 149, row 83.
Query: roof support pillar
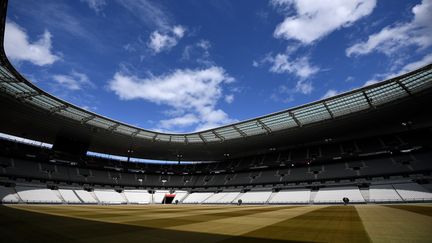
column 202, row 138
column 58, row 108
column 86, row 119
column 239, row 131
column 295, row 118
column 113, row 127
column 328, row 110
column 403, row 87
column 218, row 136
column 264, row 126
column 369, row 101
column 134, row 134
column 25, row 95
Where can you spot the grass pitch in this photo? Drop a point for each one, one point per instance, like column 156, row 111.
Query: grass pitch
column 182, row 223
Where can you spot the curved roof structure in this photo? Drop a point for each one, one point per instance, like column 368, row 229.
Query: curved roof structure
column 19, row 90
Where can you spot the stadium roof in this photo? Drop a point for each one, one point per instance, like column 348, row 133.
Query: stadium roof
column 15, row 86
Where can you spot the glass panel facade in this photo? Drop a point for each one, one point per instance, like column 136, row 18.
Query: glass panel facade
column 348, row 104
column 312, row 113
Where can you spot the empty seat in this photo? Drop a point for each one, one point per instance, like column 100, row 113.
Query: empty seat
column 109, row 196
column 412, row 192
column 383, row 193
column 159, row 196
column 255, row 197
column 197, row 197
column 137, row 196
column 8, row 195
column 85, row 196
column 180, row 195
column 69, row 196
column 37, row 195
column 291, row 196
column 336, row 194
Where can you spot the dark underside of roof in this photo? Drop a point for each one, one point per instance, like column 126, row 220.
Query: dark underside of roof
column 30, row 122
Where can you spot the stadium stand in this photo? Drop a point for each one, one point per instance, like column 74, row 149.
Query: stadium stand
column 255, row 197
column 69, row 196
column 179, row 196
column 412, row 192
column 159, row 196
column 197, row 197
column 109, row 196
column 31, row 194
column 335, row 195
column 383, row 193
column 222, row 198
column 229, row 197
column 8, row 195
column 370, row 144
column 291, row 196
column 86, row 197
column 137, row 196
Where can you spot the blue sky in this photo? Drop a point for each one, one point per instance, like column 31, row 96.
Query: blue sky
column 183, row 66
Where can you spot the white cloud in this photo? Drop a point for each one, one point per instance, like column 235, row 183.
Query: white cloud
column 73, row 81
column 407, row 68
column 304, row 87
column 18, row 47
column 178, row 31
column 164, row 41
column 198, row 52
column 417, row 64
column 330, row 93
column 229, row 98
column 181, row 121
column 96, row 5
column 151, row 13
column 392, row 39
column 299, row 67
column 370, row 82
column 316, row 19
column 192, row 92
column 204, row 44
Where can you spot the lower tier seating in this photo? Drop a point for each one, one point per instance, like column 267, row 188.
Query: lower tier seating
column 333, row 195
column 291, row 196
column 398, row 191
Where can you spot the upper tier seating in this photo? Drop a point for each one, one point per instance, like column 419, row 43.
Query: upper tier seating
column 291, row 196
column 376, row 166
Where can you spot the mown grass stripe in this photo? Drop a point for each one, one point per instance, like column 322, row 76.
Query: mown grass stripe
column 426, row 211
column 329, row 224
column 197, row 218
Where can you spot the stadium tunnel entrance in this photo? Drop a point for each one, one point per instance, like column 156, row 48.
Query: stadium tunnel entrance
column 169, row 198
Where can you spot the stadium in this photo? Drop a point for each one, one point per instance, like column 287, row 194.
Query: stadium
column 353, row 167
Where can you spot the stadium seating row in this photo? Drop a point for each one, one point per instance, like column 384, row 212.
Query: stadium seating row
column 399, row 164
column 398, row 192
